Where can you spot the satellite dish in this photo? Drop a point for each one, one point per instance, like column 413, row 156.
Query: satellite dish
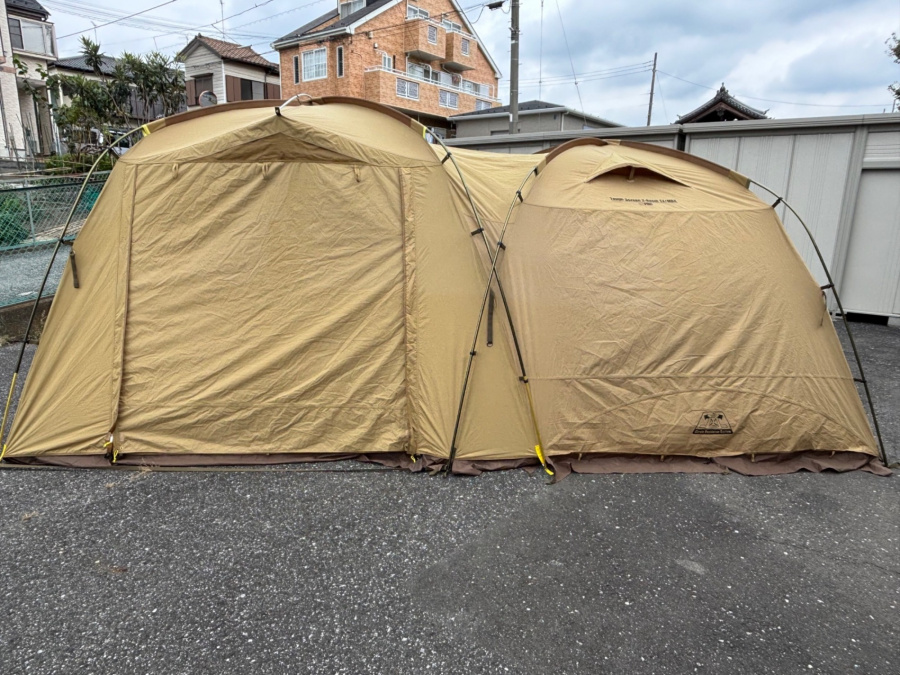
column 206, row 99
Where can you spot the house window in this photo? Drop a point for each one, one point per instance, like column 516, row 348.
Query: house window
column 296, row 70
column 407, row 89
column 451, row 26
column 340, row 62
column 482, row 105
column 432, row 34
column 252, row 90
column 315, row 64
column 347, row 8
column 203, row 83
column 464, row 45
column 15, row 33
column 448, row 99
column 387, row 61
column 418, row 70
column 31, row 36
column 413, row 12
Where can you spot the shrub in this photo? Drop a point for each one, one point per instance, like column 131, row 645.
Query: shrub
column 12, row 217
column 77, row 163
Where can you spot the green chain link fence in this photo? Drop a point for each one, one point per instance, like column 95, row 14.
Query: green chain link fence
column 33, row 212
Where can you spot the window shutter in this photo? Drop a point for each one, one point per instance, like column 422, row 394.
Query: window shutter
column 232, row 89
column 273, row 91
column 191, row 91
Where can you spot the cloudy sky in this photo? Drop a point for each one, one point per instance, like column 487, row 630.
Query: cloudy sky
column 800, row 58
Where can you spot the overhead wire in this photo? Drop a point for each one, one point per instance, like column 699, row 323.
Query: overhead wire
column 595, row 74
column 541, row 55
column 569, row 51
column 662, row 99
column 109, row 23
column 190, row 28
column 771, row 100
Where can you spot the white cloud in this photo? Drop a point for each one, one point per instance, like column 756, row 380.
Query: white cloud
column 823, row 52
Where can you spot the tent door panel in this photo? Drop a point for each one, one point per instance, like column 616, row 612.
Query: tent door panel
column 266, row 311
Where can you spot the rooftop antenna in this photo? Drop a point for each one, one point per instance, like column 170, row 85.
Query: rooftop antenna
column 222, row 8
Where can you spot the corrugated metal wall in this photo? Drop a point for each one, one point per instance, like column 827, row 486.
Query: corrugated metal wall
column 842, row 174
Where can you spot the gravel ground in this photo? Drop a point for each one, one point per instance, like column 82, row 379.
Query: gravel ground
column 349, row 569
column 21, row 273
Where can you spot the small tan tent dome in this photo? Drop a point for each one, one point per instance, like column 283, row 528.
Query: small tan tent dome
column 261, row 286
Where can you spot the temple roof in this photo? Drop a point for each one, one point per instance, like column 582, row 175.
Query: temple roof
column 723, row 107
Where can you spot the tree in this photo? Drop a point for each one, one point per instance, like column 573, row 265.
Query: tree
column 893, row 44
column 98, row 105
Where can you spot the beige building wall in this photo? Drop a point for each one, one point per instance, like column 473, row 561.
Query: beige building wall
column 12, row 136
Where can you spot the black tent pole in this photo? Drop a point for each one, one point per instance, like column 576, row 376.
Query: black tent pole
column 37, row 300
column 492, row 275
column 862, row 376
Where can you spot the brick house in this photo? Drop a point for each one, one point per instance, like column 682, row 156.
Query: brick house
column 230, row 71
column 421, row 57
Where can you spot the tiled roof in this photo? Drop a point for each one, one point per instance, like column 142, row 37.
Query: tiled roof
column 308, row 30
column 233, row 52
column 28, row 6
column 723, row 97
column 78, row 63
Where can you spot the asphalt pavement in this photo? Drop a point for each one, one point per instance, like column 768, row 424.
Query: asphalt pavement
column 348, row 568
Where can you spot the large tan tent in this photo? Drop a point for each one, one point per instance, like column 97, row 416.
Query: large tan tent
column 274, row 285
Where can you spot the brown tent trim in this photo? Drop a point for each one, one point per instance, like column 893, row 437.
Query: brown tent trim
column 270, row 103
column 748, row 465
column 212, row 110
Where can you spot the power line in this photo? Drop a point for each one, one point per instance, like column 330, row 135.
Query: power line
column 144, row 23
column 569, row 51
column 771, row 100
column 596, row 74
column 143, row 11
column 662, row 98
column 541, row 54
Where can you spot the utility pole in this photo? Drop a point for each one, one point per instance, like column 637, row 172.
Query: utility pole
column 514, row 68
column 222, row 10
column 652, row 85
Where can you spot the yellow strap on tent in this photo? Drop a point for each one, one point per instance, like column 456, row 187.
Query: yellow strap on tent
column 115, row 450
column 12, row 388
column 145, row 130
column 537, row 432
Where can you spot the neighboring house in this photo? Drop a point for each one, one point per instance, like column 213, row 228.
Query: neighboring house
column 230, row 71
column 27, row 35
column 534, row 116
column 723, row 107
column 421, row 57
column 75, row 65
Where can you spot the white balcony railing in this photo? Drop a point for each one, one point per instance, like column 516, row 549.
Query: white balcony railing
column 444, row 25
column 444, row 80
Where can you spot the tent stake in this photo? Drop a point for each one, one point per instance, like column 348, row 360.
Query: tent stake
column 837, row 298
column 37, row 300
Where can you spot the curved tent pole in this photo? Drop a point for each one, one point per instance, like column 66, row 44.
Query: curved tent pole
column 494, row 255
column 37, row 300
column 862, row 376
column 295, row 97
